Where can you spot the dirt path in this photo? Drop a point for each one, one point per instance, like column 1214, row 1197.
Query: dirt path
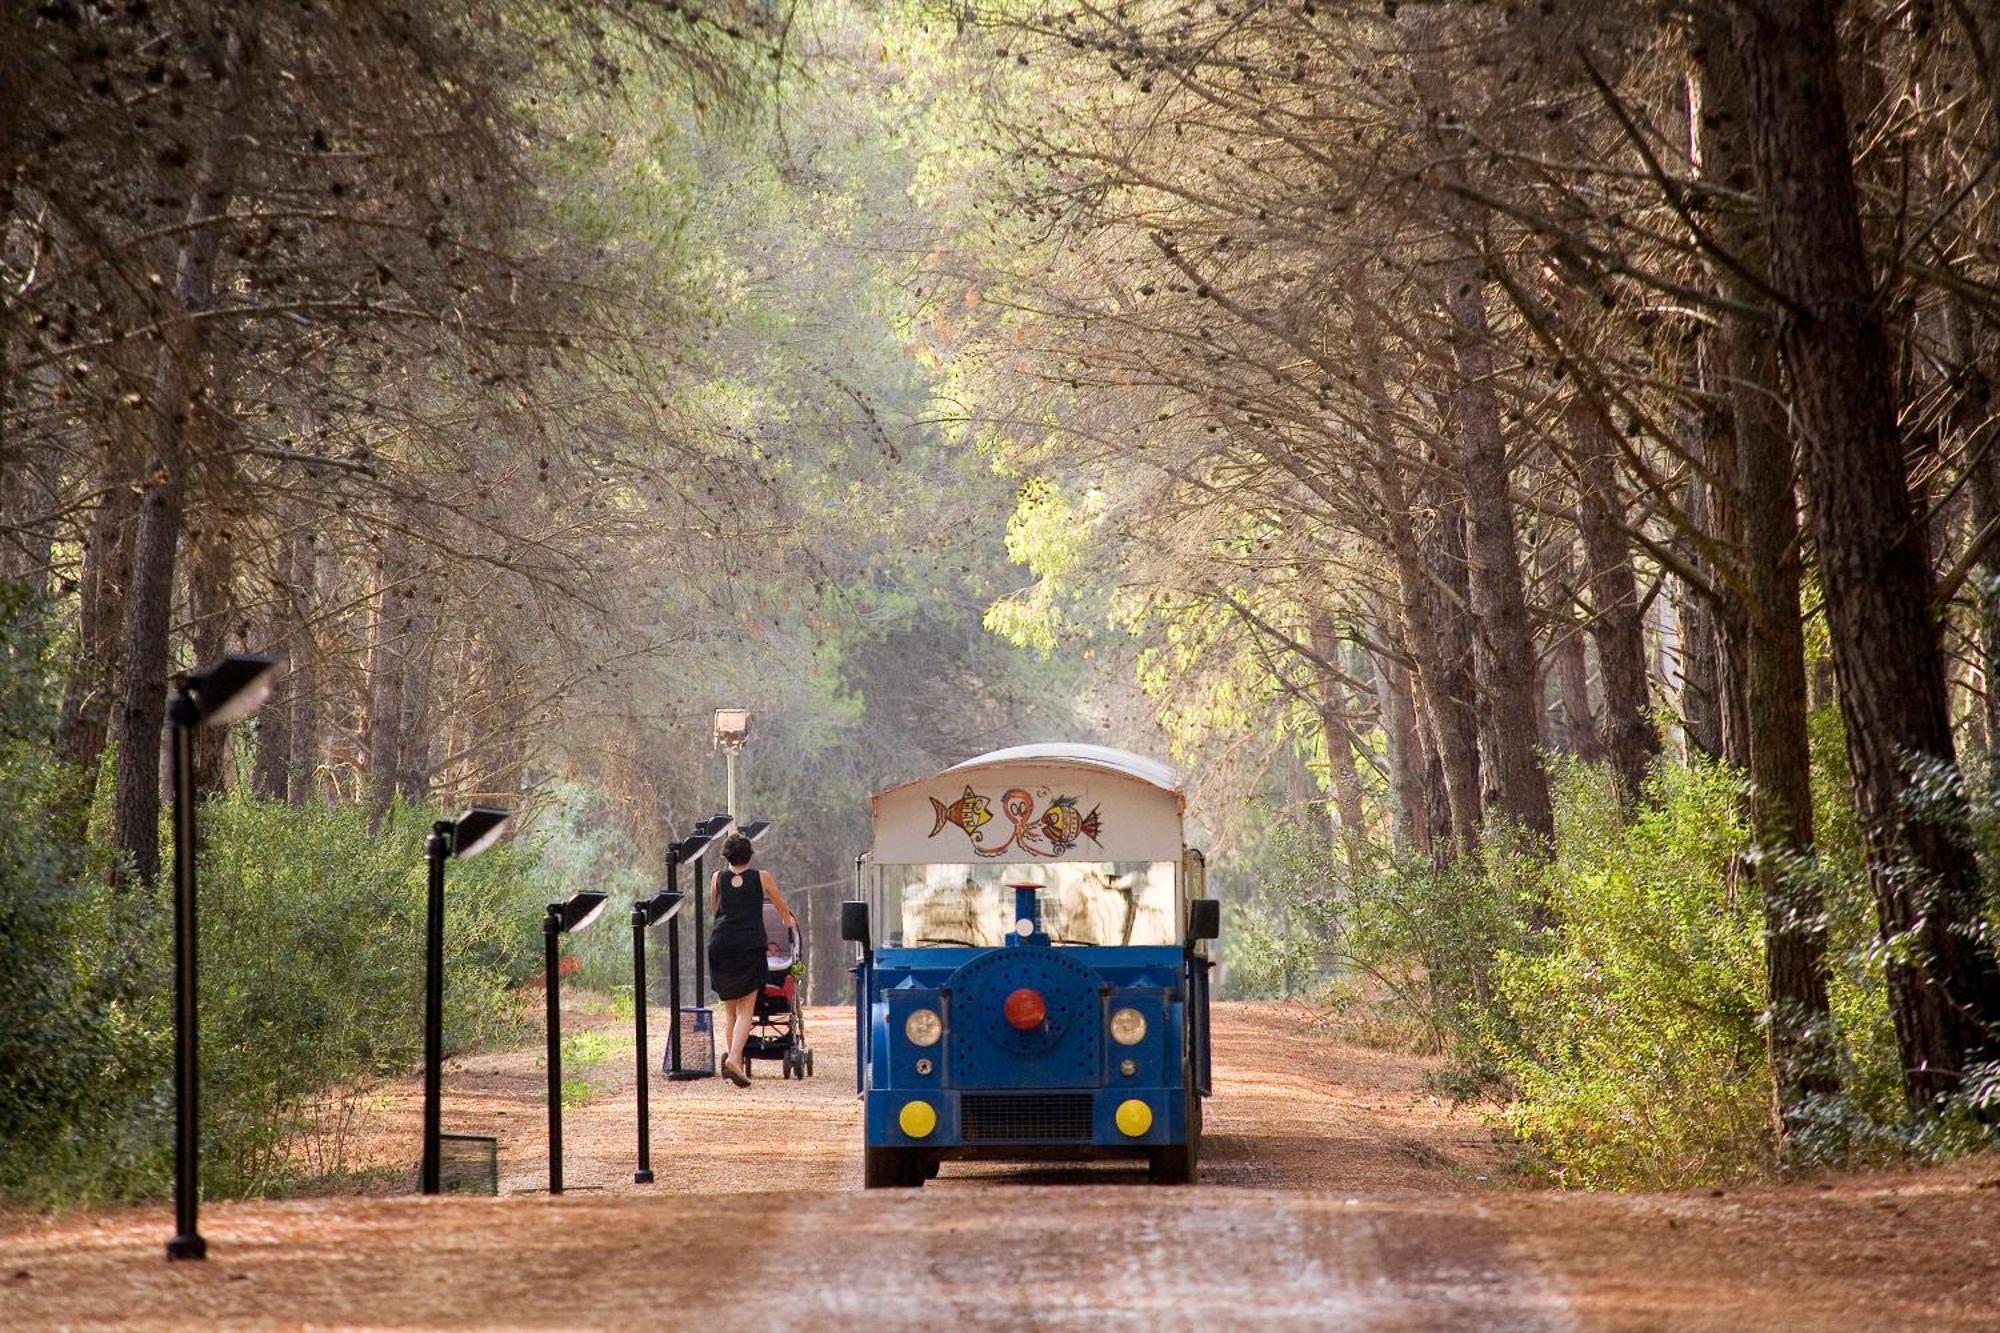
column 1336, row 1194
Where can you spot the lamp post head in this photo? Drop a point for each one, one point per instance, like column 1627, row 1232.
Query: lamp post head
column 755, row 829
column 477, row 829
column 651, row 911
column 732, row 728
column 230, row 688
column 579, row 911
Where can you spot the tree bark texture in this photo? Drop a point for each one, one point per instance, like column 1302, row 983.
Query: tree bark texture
column 1762, row 625
column 1442, row 672
column 1701, row 632
column 1444, row 599
column 84, row 726
column 1498, row 599
column 1571, row 727
column 1616, row 627
column 1944, row 988
column 1971, row 413
column 1337, row 730
column 383, row 739
column 1409, row 822
column 211, row 572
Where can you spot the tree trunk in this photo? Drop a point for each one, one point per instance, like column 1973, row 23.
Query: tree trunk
column 148, row 611
column 1764, row 629
column 272, row 774
column 1720, row 491
column 1616, row 627
column 1701, row 657
column 85, row 722
column 1443, row 678
column 1573, row 731
column 309, row 673
column 211, row 612
column 384, row 736
column 178, row 383
column 1944, row 987
column 418, row 626
column 1972, row 407
column 1337, row 729
column 1453, row 693
column 1499, row 602
column 1409, row 824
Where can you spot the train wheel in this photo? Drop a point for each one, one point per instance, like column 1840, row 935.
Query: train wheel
column 1171, row 1165
column 890, row 1168
column 1178, row 1163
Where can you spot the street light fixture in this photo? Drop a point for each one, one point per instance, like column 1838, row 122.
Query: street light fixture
column 732, row 729
column 563, row 918
column 732, row 726
column 646, row 913
column 468, row 835
column 220, row 693
column 694, row 851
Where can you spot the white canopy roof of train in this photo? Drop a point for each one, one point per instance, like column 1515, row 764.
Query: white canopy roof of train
column 1136, row 824
column 1067, row 754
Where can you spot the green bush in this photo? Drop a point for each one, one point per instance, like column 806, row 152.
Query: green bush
column 312, row 971
column 1631, row 1034
column 575, row 848
column 81, row 1036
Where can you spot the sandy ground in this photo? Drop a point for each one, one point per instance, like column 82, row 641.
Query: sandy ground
column 1336, row 1193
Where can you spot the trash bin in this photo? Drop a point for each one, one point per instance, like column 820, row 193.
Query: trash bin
column 468, row 1164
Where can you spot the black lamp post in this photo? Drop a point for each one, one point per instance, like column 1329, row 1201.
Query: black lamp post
column 220, row 693
column 563, row 918
column 646, row 913
column 705, row 833
column 468, row 835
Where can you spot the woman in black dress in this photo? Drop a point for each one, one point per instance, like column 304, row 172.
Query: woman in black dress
column 736, row 946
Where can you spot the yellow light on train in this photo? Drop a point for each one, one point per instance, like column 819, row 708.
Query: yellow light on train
column 917, row 1119
column 923, row 1027
column 1128, row 1027
column 1134, row 1117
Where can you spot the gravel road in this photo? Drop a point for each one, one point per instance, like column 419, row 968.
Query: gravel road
column 1336, row 1193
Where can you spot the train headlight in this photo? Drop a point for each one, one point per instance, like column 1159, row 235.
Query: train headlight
column 1128, row 1027
column 923, row 1027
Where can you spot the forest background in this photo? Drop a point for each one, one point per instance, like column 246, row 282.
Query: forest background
column 1530, row 466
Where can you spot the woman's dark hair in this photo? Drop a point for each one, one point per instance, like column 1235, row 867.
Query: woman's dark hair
column 736, row 850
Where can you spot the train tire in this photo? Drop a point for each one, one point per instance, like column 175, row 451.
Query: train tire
column 891, row 1168
column 1179, row 1163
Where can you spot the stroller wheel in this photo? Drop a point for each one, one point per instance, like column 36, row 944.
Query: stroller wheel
column 809, row 1063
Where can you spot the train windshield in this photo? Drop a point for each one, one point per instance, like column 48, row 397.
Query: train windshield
column 1082, row 902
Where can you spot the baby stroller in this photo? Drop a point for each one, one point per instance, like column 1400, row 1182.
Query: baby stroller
column 778, row 1030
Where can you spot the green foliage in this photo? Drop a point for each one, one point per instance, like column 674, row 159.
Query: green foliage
column 311, row 973
column 80, row 1034
column 577, row 846
column 1631, row 1034
column 312, row 966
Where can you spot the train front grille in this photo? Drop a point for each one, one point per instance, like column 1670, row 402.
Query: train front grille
column 1033, row 1117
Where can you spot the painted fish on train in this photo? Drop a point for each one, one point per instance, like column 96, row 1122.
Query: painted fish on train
column 1064, row 822
column 970, row 812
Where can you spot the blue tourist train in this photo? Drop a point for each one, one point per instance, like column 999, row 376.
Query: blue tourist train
column 1034, row 970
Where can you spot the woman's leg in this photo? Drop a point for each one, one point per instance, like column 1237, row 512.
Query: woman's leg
column 742, row 1017
column 728, row 1033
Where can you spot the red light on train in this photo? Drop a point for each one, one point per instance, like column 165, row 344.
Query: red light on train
column 1026, row 1010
